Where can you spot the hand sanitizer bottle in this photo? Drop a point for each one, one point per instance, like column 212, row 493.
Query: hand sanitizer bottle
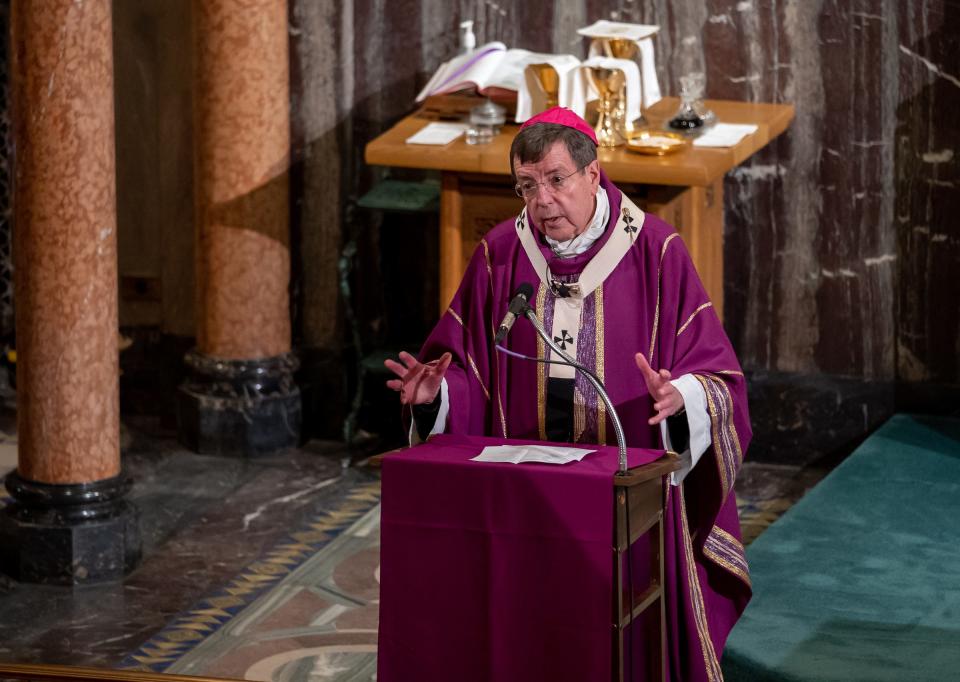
column 468, row 41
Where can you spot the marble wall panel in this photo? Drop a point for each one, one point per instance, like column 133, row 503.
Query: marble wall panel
column 322, row 153
column 839, row 242
column 926, row 190
column 153, row 51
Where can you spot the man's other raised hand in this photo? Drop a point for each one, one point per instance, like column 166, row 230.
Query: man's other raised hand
column 418, row 382
column 667, row 399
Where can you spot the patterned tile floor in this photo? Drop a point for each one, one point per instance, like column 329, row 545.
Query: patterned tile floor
column 320, row 621
column 765, row 491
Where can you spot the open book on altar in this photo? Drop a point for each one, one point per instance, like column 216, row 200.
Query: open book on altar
column 492, row 69
column 504, row 74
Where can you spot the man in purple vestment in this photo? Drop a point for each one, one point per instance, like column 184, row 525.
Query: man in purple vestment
column 617, row 290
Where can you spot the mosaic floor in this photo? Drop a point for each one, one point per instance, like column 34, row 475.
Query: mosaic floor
column 318, row 620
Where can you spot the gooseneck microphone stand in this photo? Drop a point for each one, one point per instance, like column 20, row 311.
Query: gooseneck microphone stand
column 528, row 312
column 601, row 391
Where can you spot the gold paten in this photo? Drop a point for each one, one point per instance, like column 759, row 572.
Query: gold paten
column 656, row 142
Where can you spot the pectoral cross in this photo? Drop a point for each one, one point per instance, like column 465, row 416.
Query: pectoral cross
column 629, row 228
column 564, row 290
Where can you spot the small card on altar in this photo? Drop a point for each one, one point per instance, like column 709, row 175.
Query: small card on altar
column 518, row 454
column 438, row 133
column 724, row 135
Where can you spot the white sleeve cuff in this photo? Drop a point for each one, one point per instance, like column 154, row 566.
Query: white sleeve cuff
column 698, row 422
column 441, row 423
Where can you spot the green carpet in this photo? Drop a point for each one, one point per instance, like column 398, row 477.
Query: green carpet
column 860, row 580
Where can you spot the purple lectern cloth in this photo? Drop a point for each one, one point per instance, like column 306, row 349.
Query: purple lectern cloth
column 493, row 571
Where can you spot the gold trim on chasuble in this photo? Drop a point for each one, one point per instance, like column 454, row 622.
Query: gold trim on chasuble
column 540, row 306
column 693, row 315
column 476, row 373
column 455, row 316
column 727, row 552
column 721, row 547
column 579, row 414
column 470, row 360
column 710, row 662
column 656, row 315
column 598, row 367
column 493, row 333
column 726, row 443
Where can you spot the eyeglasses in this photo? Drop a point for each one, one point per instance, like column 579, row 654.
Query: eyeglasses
column 527, row 189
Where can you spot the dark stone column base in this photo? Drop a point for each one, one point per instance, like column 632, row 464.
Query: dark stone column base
column 68, row 534
column 240, row 408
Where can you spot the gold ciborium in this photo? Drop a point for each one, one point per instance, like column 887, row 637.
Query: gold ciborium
column 549, row 81
column 610, row 85
column 619, row 48
column 623, row 48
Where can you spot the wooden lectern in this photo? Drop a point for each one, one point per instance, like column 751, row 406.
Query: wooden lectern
column 498, row 538
column 640, row 492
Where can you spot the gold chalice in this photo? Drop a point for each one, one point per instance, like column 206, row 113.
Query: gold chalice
column 623, row 48
column 610, row 85
column 549, row 81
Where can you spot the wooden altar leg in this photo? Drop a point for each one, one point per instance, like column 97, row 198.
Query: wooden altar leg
column 470, row 206
column 451, row 238
column 697, row 214
column 704, row 238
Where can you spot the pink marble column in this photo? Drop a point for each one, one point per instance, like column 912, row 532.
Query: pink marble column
column 65, row 241
column 240, row 398
column 69, row 522
column 242, row 133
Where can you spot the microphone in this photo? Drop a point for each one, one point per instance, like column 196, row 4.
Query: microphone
column 519, row 303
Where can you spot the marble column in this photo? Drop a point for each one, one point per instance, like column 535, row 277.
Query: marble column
column 69, row 522
column 240, row 398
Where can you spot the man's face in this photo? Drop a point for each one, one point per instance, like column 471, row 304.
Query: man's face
column 562, row 213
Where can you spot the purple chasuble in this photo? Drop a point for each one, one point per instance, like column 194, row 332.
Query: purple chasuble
column 652, row 302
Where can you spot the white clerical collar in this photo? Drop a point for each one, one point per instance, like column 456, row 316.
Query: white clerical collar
column 584, row 240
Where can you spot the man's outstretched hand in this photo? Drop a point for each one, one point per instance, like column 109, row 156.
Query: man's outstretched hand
column 667, row 399
column 419, row 382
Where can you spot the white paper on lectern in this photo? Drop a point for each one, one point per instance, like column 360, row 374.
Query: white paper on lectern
column 545, row 454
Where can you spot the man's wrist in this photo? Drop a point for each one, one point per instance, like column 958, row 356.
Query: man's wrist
column 425, row 415
column 431, row 407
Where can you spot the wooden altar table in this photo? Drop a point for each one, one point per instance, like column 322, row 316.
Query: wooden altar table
column 685, row 189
